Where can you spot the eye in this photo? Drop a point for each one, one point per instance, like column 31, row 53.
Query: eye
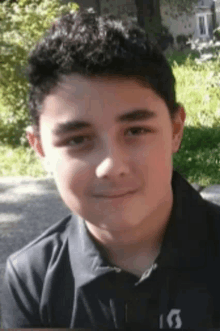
column 139, row 129
column 78, row 140
column 81, row 140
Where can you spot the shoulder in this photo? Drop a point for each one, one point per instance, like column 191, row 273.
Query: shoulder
column 35, row 257
column 203, row 214
column 30, row 272
column 192, row 198
column 213, row 215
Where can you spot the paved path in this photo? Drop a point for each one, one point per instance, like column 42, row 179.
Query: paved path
column 29, row 206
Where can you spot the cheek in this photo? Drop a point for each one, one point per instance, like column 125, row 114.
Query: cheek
column 71, row 174
column 157, row 158
column 157, row 150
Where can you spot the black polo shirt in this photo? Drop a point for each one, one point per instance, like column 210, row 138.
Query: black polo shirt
column 61, row 279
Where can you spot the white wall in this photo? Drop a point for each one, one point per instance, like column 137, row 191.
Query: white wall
column 184, row 24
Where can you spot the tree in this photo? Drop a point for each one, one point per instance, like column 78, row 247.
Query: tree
column 22, row 25
column 98, row 6
column 149, row 15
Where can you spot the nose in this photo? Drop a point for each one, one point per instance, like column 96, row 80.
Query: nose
column 114, row 164
column 111, row 168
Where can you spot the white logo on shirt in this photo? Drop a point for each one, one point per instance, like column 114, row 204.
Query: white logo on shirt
column 172, row 325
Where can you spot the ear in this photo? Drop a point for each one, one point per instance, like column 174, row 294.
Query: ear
column 178, row 128
column 35, row 142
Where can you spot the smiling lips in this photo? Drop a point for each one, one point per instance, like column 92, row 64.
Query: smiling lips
column 116, row 195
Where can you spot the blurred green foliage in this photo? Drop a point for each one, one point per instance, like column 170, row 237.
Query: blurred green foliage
column 22, row 25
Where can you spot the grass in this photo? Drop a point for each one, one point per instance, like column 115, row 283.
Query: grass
column 198, row 89
column 199, row 157
column 20, row 161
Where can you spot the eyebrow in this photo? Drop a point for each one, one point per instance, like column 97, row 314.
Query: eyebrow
column 77, row 125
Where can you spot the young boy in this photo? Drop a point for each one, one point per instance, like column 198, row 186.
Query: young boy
column 140, row 248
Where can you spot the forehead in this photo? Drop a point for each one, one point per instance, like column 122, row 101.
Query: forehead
column 80, row 97
column 78, row 88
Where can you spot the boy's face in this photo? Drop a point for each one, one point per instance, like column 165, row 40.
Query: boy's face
column 109, row 157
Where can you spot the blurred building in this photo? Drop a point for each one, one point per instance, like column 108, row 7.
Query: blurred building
column 198, row 25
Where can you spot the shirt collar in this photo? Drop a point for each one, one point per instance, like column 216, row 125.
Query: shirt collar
column 86, row 260
column 183, row 245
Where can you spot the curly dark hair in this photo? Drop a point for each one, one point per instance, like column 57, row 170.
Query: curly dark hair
column 86, row 43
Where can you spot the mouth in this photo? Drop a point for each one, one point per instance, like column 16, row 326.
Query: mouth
column 117, row 197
